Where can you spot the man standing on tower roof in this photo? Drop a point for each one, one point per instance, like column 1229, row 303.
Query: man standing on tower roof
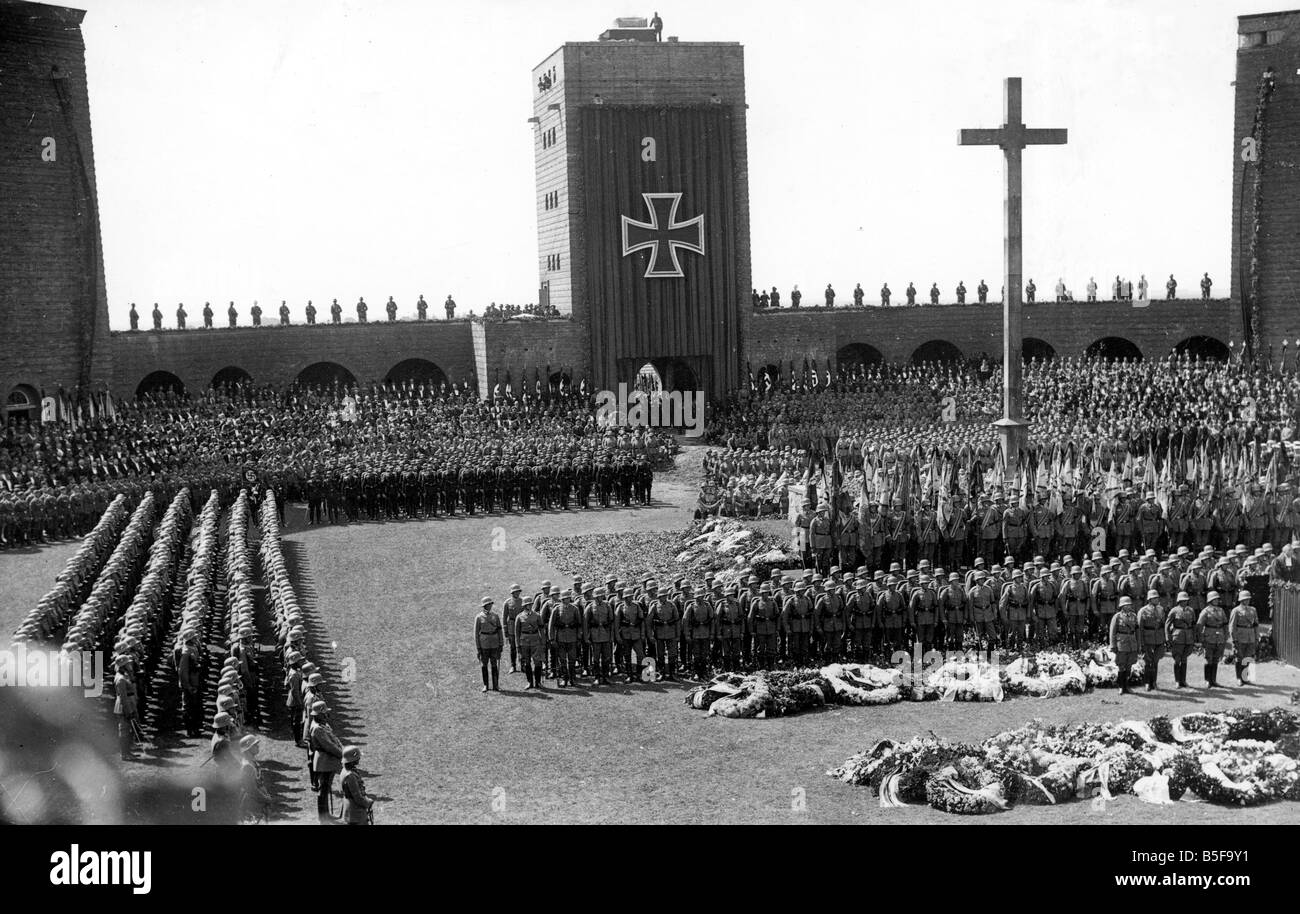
column 658, row 25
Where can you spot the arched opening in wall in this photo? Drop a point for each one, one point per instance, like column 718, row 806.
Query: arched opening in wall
column 23, row 402
column 419, row 372
column 1206, row 348
column 1114, row 347
column 230, row 376
column 160, row 382
column 940, row 351
column 677, row 374
column 1033, row 348
column 648, row 379
column 857, row 355
column 326, row 374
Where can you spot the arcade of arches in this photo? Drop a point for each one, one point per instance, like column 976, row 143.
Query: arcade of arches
column 160, row 382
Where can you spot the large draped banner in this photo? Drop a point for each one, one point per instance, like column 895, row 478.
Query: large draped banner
column 660, row 197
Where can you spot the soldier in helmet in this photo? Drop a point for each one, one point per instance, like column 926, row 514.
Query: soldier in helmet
column 487, row 642
column 764, row 620
column 698, row 626
column 530, row 635
column 891, row 609
column 923, row 612
column 1074, row 602
column 1212, row 632
column 1151, row 636
column 326, row 756
column 600, row 636
column 1013, row 610
column 1243, row 624
column 510, row 611
column 357, row 805
column 664, row 621
column 796, row 621
column 1180, row 635
column 254, row 801
column 730, row 626
column 566, row 632
column 1124, row 640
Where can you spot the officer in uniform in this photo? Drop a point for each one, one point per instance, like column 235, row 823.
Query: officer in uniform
column 860, row 609
column 796, row 621
column 891, row 610
column 1013, row 609
column 189, row 673
column 1124, row 521
column 899, row 532
column 983, row 610
column 1014, row 523
column 600, row 636
column 1042, row 595
column 1042, row 525
column 357, row 805
column 124, row 706
column 1075, row 601
column 487, row 642
column 764, row 625
column 828, row 616
column 664, row 620
column 629, row 629
column 923, row 612
column 1212, row 633
column 1180, row 634
column 566, row 634
column 990, row 529
column 326, row 754
column 530, row 636
column 871, row 536
column 820, row 539
column 698, row 626
column 1151, row 636
column 731, row 627
column 1243, row 623
column 510, row 611
column 1124, row 640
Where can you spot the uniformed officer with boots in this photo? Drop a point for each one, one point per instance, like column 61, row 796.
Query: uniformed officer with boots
column 730, row 626
column 1013, row 610
column 357, row 805
column 1180, row 634
column 923, row 613
column 326, row 756
column 1151, row 636
column 891, row 609
column 664, row 620
column 510, row 611
column 487, row 642
column 1212, row 633
column 566, row 633
column 1243, row 624
column 629, row 630
column 698, row 623
column 530, row 636
column 764, row 625
column 600, row 636
column 796, row 619
column 1124, row 640
column 1075, row 600
column 953, row 612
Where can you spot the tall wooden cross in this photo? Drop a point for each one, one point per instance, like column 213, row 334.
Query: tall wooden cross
column 1013, row 137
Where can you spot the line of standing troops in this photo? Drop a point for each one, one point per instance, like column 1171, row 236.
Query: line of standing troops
column 429, row 491
column 604, row 631
column 883, row 535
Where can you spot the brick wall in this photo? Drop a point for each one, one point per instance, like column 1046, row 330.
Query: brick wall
column 276, row 355
column 521, row 346
column 974, row 329
column 53, row 306
column 1279, row 242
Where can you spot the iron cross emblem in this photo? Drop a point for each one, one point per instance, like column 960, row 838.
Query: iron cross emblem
column 663, row 235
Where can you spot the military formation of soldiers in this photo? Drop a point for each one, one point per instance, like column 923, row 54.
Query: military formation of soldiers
column 1072, row 525
column 350, row 453
column 797, row 619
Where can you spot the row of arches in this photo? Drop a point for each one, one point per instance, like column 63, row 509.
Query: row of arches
column 318, row 374
column 1111, row 347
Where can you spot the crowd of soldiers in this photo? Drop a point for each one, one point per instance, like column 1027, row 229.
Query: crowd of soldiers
column 796, row 619
column 1125, row 405
column 387, row 451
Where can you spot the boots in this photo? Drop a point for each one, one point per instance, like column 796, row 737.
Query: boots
column 528, row 671
column 496, row 676
column 1207, row 670
column 1123, row 682
column 484, row 671
column 537, row 675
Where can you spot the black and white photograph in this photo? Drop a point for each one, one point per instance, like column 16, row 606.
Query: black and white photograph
column 738, row 413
